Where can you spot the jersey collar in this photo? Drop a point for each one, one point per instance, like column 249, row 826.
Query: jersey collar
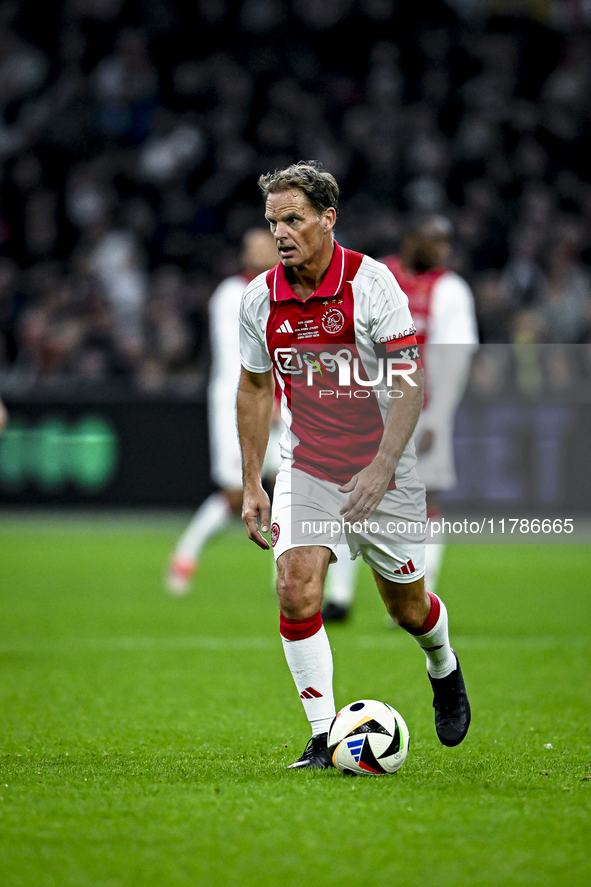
column 332, row 284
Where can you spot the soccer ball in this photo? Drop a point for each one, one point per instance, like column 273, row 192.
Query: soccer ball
column 368, row 738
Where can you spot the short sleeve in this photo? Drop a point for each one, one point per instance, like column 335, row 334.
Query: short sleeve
column 254, row 354
column 389, row 314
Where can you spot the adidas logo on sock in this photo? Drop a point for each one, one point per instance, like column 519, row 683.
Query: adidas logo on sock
column 310, row 693
column 285, row 327
column 408, row 568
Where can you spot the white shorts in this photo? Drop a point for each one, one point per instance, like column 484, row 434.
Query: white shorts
column 305, row 512
column 224, row 454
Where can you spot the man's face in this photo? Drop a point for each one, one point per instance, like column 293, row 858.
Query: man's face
column 299, row 232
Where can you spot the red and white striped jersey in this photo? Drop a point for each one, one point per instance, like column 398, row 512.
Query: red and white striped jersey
column 331, row 355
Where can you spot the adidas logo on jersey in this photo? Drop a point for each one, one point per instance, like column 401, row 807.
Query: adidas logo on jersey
column 285, row 327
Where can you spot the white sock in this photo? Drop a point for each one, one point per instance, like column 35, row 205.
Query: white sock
column 209, row 519
column 434, row 641
column 339, row 586
column 309, row 657
column 434, row 552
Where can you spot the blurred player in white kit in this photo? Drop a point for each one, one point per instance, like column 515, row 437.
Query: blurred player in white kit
column 259, row 253
column 442, row 306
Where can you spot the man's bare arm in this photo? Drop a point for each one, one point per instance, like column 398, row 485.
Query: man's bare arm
column 254, row 408
column 367, row 488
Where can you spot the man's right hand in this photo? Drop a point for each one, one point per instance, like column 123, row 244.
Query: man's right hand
column 255, row 506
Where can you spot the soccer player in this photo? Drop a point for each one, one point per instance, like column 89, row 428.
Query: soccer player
column 332, row 328
column 442, row 307
column 258, row 254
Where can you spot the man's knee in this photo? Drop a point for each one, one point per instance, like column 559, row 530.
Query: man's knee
column 290, row 583
column 300, row 578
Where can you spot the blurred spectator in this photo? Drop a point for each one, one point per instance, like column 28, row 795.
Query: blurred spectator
column 117, row 261
column 566, row 296
column 9, row 308
column 125, row 84
column 168, row 336
column 493, row 307
column 522, row 275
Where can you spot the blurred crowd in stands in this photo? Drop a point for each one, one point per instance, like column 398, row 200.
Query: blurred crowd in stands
column 132, row 133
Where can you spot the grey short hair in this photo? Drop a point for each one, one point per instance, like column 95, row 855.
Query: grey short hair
column 308, row 176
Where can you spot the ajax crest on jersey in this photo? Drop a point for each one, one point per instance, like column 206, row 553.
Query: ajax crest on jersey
column 368, row 738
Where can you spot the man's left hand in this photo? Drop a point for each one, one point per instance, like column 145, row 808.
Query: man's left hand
column 367, row 490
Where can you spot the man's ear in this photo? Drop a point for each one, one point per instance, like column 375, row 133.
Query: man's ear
column 329, row 218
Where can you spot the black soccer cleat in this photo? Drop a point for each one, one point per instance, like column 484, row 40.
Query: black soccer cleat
column 315, row 755
column 332, row 612
column 452, row 709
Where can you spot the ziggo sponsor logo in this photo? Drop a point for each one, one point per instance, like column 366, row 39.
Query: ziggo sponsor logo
column 289, row 361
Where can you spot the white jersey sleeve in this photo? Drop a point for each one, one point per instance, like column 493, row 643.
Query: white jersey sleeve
column 453, row 316
column 254, row 314
column 388, row 315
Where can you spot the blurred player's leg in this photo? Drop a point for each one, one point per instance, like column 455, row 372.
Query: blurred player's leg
column 211, row 517
column 435, row 548
column 433, row 560
column 339, row 588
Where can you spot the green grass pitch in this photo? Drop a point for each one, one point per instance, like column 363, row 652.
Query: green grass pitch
column 144, row 739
